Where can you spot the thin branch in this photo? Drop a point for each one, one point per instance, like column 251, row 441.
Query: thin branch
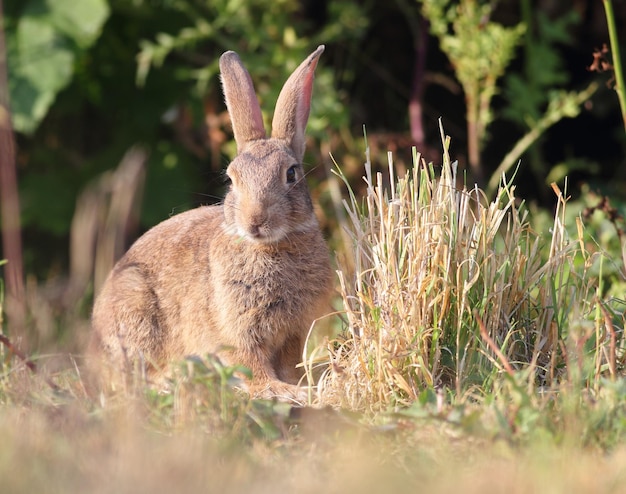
column 15, row 351
column 32, row 366
column 9, row 203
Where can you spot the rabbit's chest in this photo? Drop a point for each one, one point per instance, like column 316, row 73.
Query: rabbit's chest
column 266, row 285
column 264, row 294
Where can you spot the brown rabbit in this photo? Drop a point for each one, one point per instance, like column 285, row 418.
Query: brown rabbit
column 243, row 280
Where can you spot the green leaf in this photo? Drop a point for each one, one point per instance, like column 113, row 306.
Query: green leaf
column 42, row 50
column 45, row 67
column 81, row 21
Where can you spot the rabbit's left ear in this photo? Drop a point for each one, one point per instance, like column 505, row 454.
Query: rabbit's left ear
column 294, row 103
column 241, row 101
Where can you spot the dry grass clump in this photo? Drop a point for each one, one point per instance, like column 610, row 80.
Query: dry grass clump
column 451, row 289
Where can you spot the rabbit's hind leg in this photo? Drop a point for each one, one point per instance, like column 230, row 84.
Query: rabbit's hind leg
column 127, row 322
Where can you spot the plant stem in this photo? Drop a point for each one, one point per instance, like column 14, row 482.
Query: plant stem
column 547, row 121
column 617, row 63
column 416, row 101
column 10, row 206
column 474, row 135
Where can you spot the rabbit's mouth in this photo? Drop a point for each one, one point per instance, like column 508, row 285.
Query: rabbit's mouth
column 268, row 234
column 261, row 234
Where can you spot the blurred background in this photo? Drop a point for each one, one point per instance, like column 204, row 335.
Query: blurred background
column 119, row 121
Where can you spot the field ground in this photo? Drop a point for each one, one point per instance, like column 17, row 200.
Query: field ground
column 68, row 451
column 60, row 440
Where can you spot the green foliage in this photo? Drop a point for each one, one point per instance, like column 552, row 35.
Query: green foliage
column 203, row 390
column 529, row 93
column 44, row 43
column 204, row 435
column 562, row 104
column 269, row 30
column 620, row 85
column 479, row 50
column 82, row 75
column 557, row 419
column 599, row 221
column 535, row 100
column 97, row 117
column 527, row 419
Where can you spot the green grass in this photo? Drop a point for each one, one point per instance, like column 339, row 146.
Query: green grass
column 483, row 351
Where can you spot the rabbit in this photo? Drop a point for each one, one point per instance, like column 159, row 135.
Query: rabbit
column 243, row 280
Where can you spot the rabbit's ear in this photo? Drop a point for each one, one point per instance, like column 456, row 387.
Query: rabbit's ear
column 241, row 101
column 294, row 103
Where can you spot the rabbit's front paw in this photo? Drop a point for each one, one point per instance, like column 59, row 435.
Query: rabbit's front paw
column 289, row 393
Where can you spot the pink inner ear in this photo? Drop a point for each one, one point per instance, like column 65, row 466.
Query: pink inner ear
column 305, row 100
column 294, row 104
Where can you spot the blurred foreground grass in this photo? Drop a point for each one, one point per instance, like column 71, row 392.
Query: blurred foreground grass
column 63, row 441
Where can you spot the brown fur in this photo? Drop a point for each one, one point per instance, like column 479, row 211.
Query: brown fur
column 244, row 280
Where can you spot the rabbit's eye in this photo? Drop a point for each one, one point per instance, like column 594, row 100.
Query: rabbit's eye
column 291, row 174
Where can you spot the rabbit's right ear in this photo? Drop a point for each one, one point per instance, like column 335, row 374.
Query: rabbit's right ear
column 241, row 101
column 294, row 103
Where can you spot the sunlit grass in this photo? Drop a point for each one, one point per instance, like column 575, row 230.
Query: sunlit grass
column 454, row 292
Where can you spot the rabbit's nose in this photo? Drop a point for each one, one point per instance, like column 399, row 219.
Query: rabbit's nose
column 255, row 226
column 254, row 230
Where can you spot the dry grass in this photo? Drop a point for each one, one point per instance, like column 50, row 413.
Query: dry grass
column 450, row 289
